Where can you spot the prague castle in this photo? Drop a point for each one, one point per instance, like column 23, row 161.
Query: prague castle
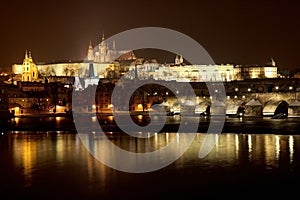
column 102, row 57
column 105, row 61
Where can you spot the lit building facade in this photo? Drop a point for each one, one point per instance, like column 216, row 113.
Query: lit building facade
column 102, row 56
column 252, row 72
column 29, row 69
column 200, row 73
column 65, row 69
column 184, row 73
column 106, row 61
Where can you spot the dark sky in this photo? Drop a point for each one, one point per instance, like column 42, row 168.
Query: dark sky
column 240, row 32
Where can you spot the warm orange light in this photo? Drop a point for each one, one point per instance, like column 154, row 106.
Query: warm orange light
column 140, row 107
column 58, row 119
column 111, row 118
column 140, row 117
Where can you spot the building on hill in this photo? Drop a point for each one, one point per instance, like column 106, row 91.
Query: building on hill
column 101, row 56
column 29, row 68
column 104, row 54
column 104, row 61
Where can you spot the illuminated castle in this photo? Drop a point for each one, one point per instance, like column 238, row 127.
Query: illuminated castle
column 103, row 54
column 105, row 62
column 102, row 57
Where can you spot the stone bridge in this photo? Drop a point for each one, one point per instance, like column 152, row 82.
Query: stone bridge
column 263, row 104
column 252, row 105
column 261, row 97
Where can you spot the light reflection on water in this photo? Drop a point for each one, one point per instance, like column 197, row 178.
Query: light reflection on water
column 43, row 161
column 59, row 160
column 29, row 151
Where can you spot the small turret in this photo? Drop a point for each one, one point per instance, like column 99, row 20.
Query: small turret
column 114, row 45
column 102, row 39
column 26, row 54
column 273, row 63
column 90, row 54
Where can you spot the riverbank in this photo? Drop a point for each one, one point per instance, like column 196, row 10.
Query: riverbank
column 232, row 125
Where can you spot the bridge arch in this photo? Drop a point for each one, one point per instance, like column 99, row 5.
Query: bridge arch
column 294, row 109
column 235, row 107
column 203, row 108
column 272, row 108
column 253, row 108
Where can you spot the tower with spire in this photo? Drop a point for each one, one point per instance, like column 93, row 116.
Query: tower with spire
column 114, row 46
column 273, row 63
column 103, row 50
column 178, row 60
column 104, row 54
column 29, row 69
column 90, row 54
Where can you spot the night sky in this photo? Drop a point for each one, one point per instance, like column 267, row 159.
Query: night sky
column 238, row 32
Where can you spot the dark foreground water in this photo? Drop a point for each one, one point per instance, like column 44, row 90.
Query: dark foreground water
column 52, row 164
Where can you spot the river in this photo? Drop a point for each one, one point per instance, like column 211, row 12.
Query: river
column 47, row 163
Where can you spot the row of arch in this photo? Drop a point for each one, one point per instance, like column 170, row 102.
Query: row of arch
column 271, row 108
column 253, row 108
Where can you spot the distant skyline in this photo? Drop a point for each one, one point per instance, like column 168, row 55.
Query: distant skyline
column 238, row 32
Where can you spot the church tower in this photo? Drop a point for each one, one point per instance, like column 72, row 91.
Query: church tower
column 29, row 69
column 90, row 54
column 273, row 63
column 177, row 60
column 114, row 45
column 103, row 50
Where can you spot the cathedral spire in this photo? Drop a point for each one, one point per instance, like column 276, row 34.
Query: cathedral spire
column 90, row 53
column 273, row 63
column 114, row 45
column 26, row 54
column 102, row 39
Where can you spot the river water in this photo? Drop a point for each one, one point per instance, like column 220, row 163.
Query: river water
column 48, row 163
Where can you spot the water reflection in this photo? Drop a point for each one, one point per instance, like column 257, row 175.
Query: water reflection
column 29, row 149
column 291, row 148
column 258, row 149
column 57, row 159
column 267, row 150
